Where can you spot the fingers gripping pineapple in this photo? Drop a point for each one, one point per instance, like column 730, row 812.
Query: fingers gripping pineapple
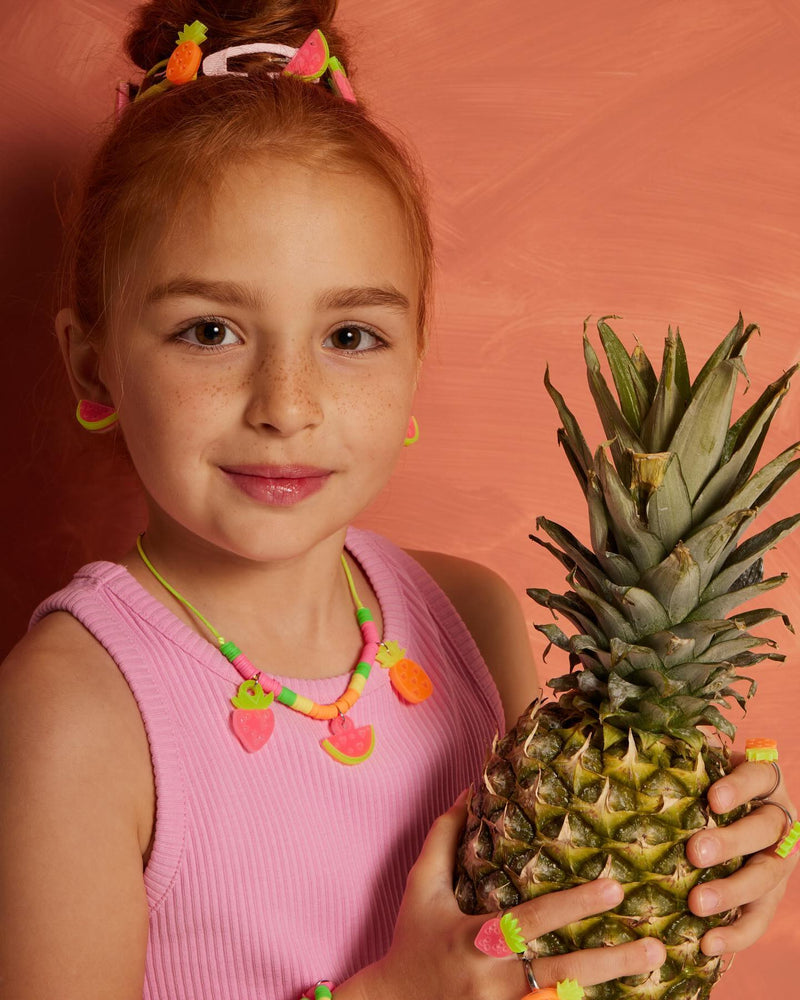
column 610, row 778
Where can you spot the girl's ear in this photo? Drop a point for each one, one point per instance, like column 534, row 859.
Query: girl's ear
column 81, row 359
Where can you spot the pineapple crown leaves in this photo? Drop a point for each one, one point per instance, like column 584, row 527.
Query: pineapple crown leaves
column 669, row 496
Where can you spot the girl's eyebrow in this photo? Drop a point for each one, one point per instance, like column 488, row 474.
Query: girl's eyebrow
column 230, row 292
column 236, row 294
column 349, row 298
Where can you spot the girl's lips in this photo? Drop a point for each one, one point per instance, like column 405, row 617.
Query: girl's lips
column 277, row 485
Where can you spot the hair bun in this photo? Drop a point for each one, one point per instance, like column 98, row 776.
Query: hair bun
column 229, row 22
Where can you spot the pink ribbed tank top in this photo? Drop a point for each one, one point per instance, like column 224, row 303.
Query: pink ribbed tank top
column 273, row 870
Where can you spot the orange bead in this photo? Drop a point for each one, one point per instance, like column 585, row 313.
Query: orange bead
column 410, row 681
column 761, row 741
column 548, row 993
column 184, row 63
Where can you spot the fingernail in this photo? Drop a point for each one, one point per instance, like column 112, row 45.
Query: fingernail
column 612, row 893
column 705, row 850
column 655, row 951
column 708, row 901
column 724, row 798
column 713, row 945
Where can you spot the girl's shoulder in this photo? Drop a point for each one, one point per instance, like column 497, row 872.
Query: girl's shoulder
column 68, row 715
column 492, row 613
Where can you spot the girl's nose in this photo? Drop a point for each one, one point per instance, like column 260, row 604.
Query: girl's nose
column 285, row 393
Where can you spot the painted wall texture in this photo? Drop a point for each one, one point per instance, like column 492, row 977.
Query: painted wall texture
column 587, row 157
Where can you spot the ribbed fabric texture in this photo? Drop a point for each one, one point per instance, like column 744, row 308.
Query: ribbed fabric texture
column 273, row 870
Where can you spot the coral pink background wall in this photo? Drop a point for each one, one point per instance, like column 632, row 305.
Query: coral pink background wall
column 587, row 157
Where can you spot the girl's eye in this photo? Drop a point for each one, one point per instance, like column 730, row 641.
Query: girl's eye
column 209, row 333
column 350, row 337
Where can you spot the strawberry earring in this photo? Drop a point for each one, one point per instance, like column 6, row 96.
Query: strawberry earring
column 412, row 434
column 95, row 416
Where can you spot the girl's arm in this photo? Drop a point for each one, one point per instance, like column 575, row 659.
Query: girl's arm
column 76, row 802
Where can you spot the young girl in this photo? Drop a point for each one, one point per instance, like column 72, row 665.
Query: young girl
column 207, row 791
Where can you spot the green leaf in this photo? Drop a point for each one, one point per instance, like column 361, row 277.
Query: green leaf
column 671, row 649
column 638, row 544
column 642, row 610
column 572, row 458
column 723, row 650
column 745, row 439
column 730, row 347
column 571, row 427
column 760, row 489
column 682, row 381
column 571, row 608
column 669, row 510
column 619, row 569
column 611, row 621
column 633, row 396
column 669, row 403
column 747, row 553
column 773, row 394
column 713, row 717
column 724, row 604
column 709, row 544
column 577, row 555
column 638, row 657
column 749, row 619
column 641, row 363
column 620, row 691
column 555, row 637
column 621, row 435
column 700, row 435
column 703, row 633
column 675, row 582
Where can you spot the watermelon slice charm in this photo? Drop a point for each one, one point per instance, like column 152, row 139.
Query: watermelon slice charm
column 346, row 743
column 408, row 678
column 252, row 719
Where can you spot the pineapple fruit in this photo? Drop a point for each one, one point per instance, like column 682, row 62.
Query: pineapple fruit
column 610, row 778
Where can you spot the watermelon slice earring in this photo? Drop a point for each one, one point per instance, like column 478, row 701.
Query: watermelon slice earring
column 95, row 416
column 412, row 434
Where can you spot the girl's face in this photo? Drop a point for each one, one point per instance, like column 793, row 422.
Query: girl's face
column 264, row 376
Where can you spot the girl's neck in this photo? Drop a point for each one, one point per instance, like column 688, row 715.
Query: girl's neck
column 292, row 616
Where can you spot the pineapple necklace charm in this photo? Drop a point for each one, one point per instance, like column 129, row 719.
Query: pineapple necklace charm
column 252, row 719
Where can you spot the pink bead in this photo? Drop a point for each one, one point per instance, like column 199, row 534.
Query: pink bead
column 370, row 632
column 243, row 665
column 369, row 652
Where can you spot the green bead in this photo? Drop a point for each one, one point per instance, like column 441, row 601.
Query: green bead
column 363, row 669
column 363, row 615
column 230, row 651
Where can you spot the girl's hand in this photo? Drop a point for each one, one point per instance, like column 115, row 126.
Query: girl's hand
column 759, row 885
column 433, row 952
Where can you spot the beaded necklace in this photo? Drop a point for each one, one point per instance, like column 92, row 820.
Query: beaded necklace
column 252, row 719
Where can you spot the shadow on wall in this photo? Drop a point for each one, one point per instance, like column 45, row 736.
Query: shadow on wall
column 58, row 478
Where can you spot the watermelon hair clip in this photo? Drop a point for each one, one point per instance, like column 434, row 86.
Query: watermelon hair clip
column 313, row 59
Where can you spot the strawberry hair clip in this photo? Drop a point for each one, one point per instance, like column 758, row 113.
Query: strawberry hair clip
column 312, row 62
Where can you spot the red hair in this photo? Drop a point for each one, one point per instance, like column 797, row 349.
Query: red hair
column 168, row 149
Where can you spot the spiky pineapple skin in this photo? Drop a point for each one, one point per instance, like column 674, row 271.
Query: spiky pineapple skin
column 558, row 809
